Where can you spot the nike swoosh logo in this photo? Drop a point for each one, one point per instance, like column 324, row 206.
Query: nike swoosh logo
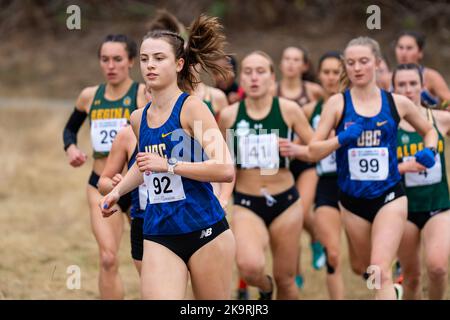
column 382, row 123
column 163, row 135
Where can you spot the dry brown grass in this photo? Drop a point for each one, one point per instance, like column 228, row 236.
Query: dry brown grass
column 44, row 218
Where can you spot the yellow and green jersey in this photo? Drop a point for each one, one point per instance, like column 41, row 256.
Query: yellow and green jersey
column 108, row 117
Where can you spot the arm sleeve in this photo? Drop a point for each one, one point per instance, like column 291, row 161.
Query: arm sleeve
column 72, row 126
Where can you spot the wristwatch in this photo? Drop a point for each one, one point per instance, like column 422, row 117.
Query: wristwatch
column 171, row 164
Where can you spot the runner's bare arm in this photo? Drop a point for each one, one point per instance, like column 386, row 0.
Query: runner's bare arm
column 442, row 121
column 295, row 118
column 134, row 177
column 117, row 160
column 438, row 86
column 220, row 100
column 75, row 156
column 141, row 96
column 411, row 114
column 219, row 167
column 320, row 145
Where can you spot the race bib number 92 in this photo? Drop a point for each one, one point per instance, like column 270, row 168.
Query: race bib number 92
column 164, row 187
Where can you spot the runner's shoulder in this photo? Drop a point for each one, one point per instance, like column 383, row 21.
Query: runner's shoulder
column 86, row 98
column 228, row 115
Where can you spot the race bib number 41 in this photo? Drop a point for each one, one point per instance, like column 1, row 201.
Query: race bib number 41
column 259, row 151
column 164, row 187
column 368, row 164
column 104, row 131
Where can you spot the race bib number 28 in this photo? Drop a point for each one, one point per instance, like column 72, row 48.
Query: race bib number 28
column 368, row 164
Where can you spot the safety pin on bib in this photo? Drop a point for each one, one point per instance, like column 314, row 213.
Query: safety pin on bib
column 270, row 201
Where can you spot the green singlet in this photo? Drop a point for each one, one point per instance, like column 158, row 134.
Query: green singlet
column 426, row 190
column 108, row 117
column 255, row 141
column 327, row 166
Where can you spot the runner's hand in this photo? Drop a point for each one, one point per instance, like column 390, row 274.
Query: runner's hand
column 413, row 166
column 351, row 134
column 150, row 162
column 116, row 179
column 107, row 203
column 426, row 157
column 76, row 157
column 288, row 148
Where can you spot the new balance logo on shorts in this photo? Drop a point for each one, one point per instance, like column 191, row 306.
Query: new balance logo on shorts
column 389, row 197
column 206, row 233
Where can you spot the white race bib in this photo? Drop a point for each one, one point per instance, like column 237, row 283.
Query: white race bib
column 328, row 164
column 429, row 176
column 104, row 131
column 368, row 163
column 164, row 187
column 259, row 151
column 143, row 196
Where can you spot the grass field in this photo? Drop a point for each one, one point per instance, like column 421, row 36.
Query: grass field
column 44, row 218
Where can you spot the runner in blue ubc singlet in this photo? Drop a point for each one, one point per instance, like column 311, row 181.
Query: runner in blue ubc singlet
column 369, row 167
column 368, row 177
column 178, row 205
column 182, row 215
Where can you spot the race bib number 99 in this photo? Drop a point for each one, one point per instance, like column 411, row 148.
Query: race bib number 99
column 368, row 164
column 259, row 151
column 429, row 176
column 104, row 131
column 164, row 187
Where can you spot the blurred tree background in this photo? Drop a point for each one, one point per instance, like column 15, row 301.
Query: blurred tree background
column 41, row 57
